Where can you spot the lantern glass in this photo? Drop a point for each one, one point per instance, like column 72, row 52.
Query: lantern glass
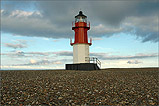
column 80, row 19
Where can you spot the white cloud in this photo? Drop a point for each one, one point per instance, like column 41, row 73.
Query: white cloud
column 46, row 38
column 96, row 38
column 32, row 61
column 39, row 62
column 2, row 11
column 20, row 13
column 107, row 60
column 29, row 67
column 57, row 62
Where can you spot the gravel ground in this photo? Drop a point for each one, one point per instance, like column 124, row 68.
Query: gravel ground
column 104, row 87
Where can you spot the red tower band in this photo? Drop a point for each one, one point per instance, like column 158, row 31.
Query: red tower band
column 81, row 27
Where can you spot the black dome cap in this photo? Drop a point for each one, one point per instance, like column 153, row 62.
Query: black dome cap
column 80, row 14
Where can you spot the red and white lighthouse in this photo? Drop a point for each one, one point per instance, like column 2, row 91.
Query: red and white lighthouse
column 80, row 45
column 81, row 59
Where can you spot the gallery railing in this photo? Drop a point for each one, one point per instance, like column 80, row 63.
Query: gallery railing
column 94, row 60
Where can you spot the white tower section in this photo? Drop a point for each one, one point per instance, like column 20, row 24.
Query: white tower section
column 80, row 52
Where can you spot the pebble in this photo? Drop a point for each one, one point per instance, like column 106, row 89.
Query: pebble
column 104, row 87
column 60, row 98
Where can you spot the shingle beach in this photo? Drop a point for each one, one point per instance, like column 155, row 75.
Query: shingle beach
column 104, row 87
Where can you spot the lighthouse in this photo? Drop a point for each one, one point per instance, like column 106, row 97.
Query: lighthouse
column 80, row 45
column 81, row 59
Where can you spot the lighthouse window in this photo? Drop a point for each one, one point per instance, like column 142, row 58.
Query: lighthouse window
column 85, row 20
column 81, row 19
column 77, row 20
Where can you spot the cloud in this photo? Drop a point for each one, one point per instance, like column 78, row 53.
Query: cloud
column 52, row 19
column 101, row 29
column 15, row 54
column 104, row 56
column 32, row 61
column 38, row 53
column 64, row 53
column 100, row 56
column 41, row 62
column 15, row 46
column 32, row 25
column 14, row 67
column 22, row 14
column 94, row 39
column 49, row 59
column 145, row 28
column 19, row 43
column 133, row 62
column 18, row 5
column 18, row 53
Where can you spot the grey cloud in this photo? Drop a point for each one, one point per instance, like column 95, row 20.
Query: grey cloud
column 19, row 43
column 114, row 12
column 18, row 53
column 145, row 28
column 100, row 56
column 28, row 26
column 15, row 54
column 107, row 31
column 60, row 13
column 94, row 39
column 39, row 53
column 133, row 62
column 14, row 46
column 32, row 54
column 64, row 53
column 112, row 15
column 105, row 56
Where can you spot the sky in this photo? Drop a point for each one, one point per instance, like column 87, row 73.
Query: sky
column 36, row 34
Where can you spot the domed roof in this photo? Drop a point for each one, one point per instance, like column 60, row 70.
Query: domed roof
column 80, row 14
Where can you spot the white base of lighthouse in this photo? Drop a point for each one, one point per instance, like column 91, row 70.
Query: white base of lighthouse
column 80, row 52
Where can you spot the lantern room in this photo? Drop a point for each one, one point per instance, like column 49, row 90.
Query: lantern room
column 80, row 17
column 80, row 26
